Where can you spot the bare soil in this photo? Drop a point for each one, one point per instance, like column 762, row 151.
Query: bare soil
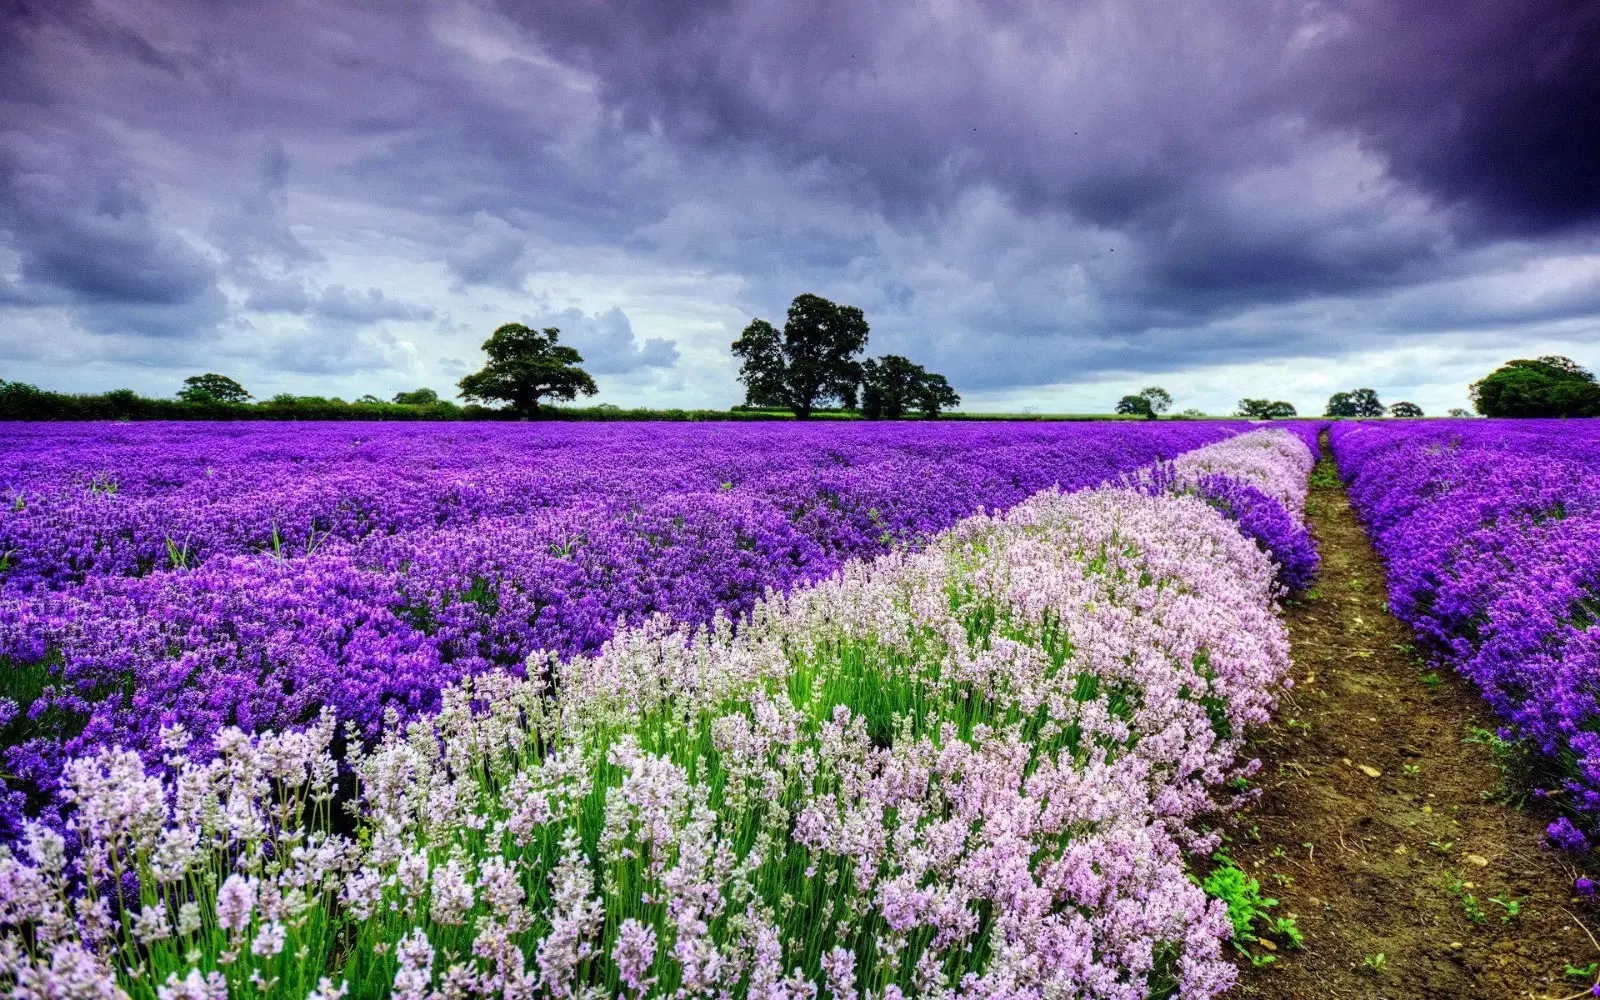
column 1382, row 831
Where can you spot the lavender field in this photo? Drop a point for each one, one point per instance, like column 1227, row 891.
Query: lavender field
column 1491, row 533
column 633, row 710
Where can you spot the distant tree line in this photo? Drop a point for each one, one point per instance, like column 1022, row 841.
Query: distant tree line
column 1365, row 403
column 812, row 367
column 22, row 401
column 815, row 360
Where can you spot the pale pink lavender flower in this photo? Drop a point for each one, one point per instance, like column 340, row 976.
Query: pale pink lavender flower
column 325, row 990
column 269, row 939
column 634, row 955
column 236, row 901
column 414, row 978
column 194, row 986
column 1135, row 640
column 452, row 894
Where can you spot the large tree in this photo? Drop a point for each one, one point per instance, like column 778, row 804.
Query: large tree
column 212, row 388
column 1356, row 403
column 1136, row 406
column 1265, row 409
column 1404, row 409
column 1159, row 398
column 419, row 397
column 813, row 361
column 1549, row 386
column 936, row 395
column 525, row 366
column 893, row 385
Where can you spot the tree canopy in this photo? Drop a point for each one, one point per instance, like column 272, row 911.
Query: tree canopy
column 1549, row 386
column 893, row 385
column 419, row 397
column 526, row 365
column 813, row 361
column 1160, row 399
column 1265, row 409
column 1138, row 406
column 1404, row 409
column 212, row 388
column 1356, row 403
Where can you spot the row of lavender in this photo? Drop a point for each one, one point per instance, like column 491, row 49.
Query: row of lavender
column 966, row 770
column 439, row 553
column 1491, row 533
column 127, row 500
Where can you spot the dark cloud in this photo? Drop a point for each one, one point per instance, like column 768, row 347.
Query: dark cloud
column 1022, row 191
column 344, row 305
column 253, row 232
column 607, row 342
column 493, row 252
column 1491, row 105
column 85, row 237
column 336, row 350
column 1131, row 118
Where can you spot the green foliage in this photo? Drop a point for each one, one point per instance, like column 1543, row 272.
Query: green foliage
column 1355, row 403
column 1136, row 406
column 1325, row 475
column 1405, row 409
column 526, row 365
column 1248, row 909
column 893, row 385
column 1456, row 411
column 1511, row 904
column 1548, row 386
column 1469, row 902
column 1377, row 963
column 212, row 388
column 1264, row 409
column 20, row 398
column 417, row 397
column 812, row 362
column 1160, row 399
column 1519, row 765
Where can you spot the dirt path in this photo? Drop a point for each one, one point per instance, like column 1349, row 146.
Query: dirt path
column 1381, row 831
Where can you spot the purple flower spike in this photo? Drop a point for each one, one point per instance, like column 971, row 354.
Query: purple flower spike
column 216, row 575
column 1490, row 531
column 1566, row 836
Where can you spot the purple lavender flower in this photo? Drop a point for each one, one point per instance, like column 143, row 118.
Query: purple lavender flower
column 244, row 575
column 1566, row 836
column 1491, row 533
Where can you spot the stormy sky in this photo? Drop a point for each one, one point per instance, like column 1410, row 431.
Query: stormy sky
column 1051, row 201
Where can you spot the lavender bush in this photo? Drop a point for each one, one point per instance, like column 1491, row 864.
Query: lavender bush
column 1258, row 481
column 247, row 576
column 966, row 771
column 1491, row 533
column 79, row 501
